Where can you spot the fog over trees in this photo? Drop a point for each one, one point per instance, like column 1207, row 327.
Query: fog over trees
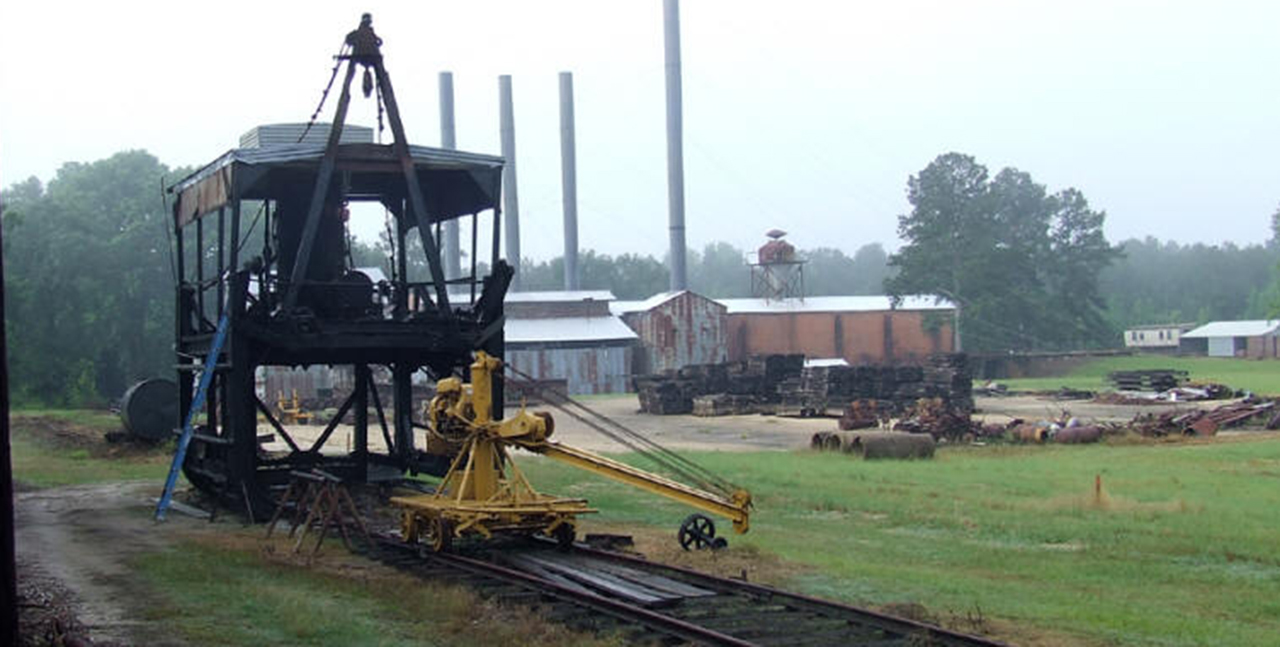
column 90, row 283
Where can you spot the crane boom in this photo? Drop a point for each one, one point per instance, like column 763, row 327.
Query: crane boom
column 735, row 507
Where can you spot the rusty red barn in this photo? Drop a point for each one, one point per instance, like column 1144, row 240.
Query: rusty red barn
column 859, row 329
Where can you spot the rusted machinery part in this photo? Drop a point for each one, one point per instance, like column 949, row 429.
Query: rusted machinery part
column 149, row 409
column 1078, row 435
column 1028, row 433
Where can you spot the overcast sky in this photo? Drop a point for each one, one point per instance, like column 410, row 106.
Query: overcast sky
column 806, row 115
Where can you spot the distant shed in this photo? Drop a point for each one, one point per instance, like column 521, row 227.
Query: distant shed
column 675, row 329
column 569, row 336
column 1255, row 339
column 859, row 329
column 1156, row 338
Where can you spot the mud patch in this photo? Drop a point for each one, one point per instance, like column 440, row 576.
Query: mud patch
column 92, row 441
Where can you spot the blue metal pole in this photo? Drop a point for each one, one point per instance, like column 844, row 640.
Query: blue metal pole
column 206, row 378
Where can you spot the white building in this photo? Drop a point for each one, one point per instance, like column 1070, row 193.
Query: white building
column 1254, row 339
column 1156, row 337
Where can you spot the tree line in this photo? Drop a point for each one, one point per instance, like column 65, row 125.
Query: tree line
column 89, row 275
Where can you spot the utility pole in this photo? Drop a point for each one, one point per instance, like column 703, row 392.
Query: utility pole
column 8, row 563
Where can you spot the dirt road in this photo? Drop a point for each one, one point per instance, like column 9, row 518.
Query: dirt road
column 74, row 545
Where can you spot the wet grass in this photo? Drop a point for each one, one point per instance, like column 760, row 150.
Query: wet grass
column 219, row 594
column 1260, row 376
column 1179, row 549
column 68, row 447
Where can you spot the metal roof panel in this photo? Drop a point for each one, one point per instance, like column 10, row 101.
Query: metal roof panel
column 1252, row 328
column 567, row 329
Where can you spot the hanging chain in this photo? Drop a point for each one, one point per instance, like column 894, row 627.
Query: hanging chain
column 325, row 95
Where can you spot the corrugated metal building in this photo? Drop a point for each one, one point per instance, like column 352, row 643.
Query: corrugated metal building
column 311, row 383
column 675, row 329
column 569, row 336
column 1256, row 339
column 862, row 329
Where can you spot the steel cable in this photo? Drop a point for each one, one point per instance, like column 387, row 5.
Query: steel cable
column 629, row 438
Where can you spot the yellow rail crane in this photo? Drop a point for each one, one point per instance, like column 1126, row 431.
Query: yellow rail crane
column 484, row 493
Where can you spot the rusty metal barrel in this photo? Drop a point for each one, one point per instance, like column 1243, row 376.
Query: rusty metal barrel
column 149, row 409
column 1028, row 433
column 1077, row 435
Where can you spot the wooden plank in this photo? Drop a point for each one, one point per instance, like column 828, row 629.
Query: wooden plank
column 650, row 580
column 610, row 585
column 531, row 567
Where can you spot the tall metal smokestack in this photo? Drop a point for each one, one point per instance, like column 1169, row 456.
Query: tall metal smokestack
column 675, row 145
column 568, row 182
column 510, row 199
column 448, row 140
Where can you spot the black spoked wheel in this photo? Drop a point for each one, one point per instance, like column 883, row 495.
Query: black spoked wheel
column 697, row 531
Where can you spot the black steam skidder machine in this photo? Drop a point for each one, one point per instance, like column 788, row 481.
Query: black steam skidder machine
column 261, row 242
column 281, row 291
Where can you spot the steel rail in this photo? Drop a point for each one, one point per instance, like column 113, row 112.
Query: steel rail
column 621, row 610
column 882, row 620
column 901, row 630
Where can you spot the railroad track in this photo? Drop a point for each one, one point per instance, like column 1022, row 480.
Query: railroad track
column 650, row 603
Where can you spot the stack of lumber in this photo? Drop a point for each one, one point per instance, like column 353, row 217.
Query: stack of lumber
column 949, row 377
column 724, row 404
column 1160, row 379
column 664, row 396
column 756, row 381
column 783, row 385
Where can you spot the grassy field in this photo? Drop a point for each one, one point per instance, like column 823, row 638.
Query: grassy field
column 228, row 591
column 1261, row 377
column 1179, row 550
column 52, row 448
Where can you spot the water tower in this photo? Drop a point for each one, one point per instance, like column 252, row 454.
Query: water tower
column 777, row 273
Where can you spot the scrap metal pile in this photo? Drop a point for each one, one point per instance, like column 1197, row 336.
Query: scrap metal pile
column 782, row 385
column 1183, row 393
column 1066, row 430
column 1200, row 422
